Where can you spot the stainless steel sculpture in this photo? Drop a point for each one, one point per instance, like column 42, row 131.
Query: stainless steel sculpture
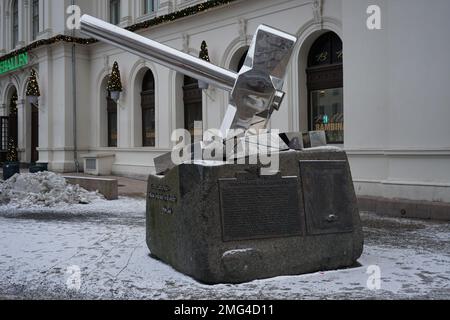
column 256, row 90
column 226, row 222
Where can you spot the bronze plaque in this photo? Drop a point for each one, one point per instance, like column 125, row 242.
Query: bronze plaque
column 260, row 208
column 327, row 188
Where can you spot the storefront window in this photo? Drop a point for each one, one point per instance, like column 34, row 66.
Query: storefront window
column 325, row 86
column 327, row 113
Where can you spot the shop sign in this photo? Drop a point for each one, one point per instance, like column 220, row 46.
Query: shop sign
column 14, row 63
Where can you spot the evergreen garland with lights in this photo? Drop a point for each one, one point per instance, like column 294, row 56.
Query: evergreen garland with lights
column 33, row 86
column 11, row 155
column 114, row 82
column 202, row 7
column 49, row 41
column 204, row 54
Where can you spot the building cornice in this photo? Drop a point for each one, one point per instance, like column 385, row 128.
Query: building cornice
column 155, row 21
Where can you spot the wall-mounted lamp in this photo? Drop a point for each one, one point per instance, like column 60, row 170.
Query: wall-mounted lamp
column 114, row 83
column 33, row 93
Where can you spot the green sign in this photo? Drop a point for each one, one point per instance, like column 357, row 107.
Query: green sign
column 14, row 63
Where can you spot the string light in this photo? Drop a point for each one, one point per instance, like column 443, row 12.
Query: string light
column 204, row 54
column 114, row 82
column 202, row 7
column 33, row 86
column 44, row 42
column 11, row 155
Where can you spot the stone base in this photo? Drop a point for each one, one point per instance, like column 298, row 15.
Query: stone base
column 227, row 224
column 401, row 208
column 109, row 188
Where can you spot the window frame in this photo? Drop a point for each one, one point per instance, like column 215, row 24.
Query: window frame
column 145, row 8
column 326, row 74
column 34, row 19
column 14, row 24
column 114, row 16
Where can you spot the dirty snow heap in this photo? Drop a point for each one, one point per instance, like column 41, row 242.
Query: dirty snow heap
column 43, row 189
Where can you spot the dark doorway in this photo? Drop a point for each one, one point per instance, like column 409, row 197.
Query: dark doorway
column 34, row 133
column 148, row 110
column 325, row 87
column 193, row 105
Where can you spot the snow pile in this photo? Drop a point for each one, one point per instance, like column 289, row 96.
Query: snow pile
column 43, row 189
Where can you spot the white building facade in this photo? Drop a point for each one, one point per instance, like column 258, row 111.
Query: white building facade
column 382, row 94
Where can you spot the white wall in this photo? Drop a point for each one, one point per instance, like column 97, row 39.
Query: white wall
column 397, row 102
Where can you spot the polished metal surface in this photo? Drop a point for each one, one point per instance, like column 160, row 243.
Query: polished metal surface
column 151, row 50
column 255, row 91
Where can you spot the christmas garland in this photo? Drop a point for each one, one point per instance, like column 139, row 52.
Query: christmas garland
column 202, row 7
column 204, row 53
column 33, row 86
column 49, row 41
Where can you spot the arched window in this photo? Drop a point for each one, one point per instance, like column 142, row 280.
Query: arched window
column 15, row 23
column 325, row 87
column 111, row 108
column 148, row 110
column 114, row 11
column 193, row 104
column 35, row 18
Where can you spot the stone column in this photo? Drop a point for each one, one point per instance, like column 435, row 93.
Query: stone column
column 45, row 20
column 6, row 31
column 2, row 109
column 23, row 125
column 26, row 25
column 22, row 22
column 126, row 13
column 45, row 106
column 165, row 7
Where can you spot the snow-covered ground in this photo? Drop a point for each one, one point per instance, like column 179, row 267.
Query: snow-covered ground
column 41, row 249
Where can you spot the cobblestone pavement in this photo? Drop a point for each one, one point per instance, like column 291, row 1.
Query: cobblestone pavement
column 41, row 256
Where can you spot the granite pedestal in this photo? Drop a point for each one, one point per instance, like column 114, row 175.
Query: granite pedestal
column 225, row 223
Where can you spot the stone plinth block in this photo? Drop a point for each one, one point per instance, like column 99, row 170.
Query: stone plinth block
column 225, row 223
